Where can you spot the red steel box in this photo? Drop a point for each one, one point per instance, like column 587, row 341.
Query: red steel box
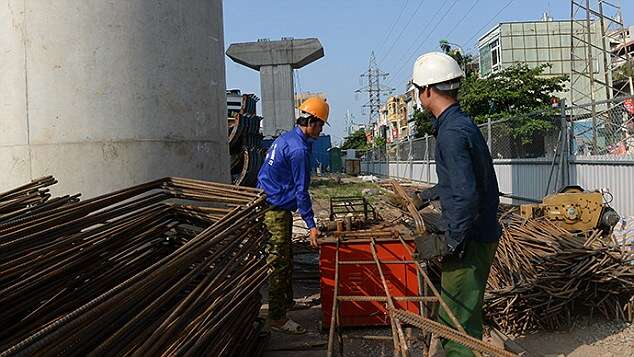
column 364, row 280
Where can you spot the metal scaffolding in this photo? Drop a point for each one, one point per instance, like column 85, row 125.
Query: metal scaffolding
column 597, row 33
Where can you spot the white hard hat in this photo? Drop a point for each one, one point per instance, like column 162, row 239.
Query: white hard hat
column 436, row 68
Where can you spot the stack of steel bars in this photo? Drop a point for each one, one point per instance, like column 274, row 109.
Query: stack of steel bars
column 170, row 267
column 544, row 276
column 29, row 199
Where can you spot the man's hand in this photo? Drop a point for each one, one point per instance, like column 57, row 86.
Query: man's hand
column 313, row 235
column 432, row 245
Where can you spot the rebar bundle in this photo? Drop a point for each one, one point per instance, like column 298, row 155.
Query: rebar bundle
column 544, row 276
column 170, row 267
column 245, row 143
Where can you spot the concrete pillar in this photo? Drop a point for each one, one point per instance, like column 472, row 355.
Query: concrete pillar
column 275, row 60
column 106, row 94
column 277, row 92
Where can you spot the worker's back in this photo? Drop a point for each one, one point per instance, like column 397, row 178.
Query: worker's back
column 456, row 133
column 286, row 163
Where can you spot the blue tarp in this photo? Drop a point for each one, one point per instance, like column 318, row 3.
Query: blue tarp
column 320, row 154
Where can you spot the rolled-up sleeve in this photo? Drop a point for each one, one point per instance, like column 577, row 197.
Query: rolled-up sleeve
column 301, row 177
column 462, row 210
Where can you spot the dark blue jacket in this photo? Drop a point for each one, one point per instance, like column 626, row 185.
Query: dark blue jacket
column 285, row 174
column 467, row 185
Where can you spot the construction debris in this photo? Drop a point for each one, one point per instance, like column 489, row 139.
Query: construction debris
column 543, row 277
column 170, row 267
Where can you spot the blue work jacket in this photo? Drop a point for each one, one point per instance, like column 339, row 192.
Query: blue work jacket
column 467, row 185
column 285, row 174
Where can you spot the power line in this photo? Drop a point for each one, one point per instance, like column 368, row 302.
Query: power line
column 429, row 33
column 462, row 19
column 402, row 30
column 382, row 44
column 487, row 24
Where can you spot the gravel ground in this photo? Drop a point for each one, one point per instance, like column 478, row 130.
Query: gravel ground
column 587, row 338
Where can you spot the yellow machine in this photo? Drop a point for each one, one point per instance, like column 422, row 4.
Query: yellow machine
column 574, row 209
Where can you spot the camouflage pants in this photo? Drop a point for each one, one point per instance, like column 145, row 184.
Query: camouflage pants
column 280, row 252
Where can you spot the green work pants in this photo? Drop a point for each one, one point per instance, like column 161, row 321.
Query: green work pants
column 280, row 255
column 463, row 283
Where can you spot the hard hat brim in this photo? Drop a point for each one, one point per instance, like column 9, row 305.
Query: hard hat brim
column 448, row 85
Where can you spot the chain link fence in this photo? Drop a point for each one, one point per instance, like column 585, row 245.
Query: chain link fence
column 600, row 129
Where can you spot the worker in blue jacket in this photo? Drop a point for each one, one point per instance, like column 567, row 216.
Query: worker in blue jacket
column 468, row 192
column 285, row 178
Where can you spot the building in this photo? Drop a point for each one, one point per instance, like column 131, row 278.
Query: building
column 393, row 119
column 397, row 116
column 410, row 105
column 622, row 44
column 622, row 47
column 544, row 42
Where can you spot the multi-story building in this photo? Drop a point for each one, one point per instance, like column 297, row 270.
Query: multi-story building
column 397, row 116
column 410, row 106
column 622, row 46
column 392, row 123
column 546, row 42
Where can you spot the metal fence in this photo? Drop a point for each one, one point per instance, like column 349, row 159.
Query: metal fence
column 602, row 128
column 575, row 149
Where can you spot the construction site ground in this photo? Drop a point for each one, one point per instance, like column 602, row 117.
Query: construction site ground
column 588, row 337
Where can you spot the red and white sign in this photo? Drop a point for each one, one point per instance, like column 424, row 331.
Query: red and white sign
column 628, row 103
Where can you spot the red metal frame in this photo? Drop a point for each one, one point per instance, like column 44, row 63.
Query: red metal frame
column 359, row 277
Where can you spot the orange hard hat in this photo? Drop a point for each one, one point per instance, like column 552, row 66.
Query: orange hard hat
column 317, row 107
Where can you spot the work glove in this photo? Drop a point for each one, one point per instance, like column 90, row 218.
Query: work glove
column 423, row 198
column 432, row 245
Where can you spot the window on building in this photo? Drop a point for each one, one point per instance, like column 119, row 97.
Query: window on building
column 485, row 61
column 495, row 55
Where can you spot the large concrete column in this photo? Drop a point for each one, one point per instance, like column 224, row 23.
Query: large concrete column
column 106, row 94
column 276, row 60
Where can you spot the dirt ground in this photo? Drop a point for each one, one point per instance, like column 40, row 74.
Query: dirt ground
column 587, row 338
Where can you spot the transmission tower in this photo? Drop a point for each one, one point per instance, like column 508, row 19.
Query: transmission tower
column 597, row 32
column 376, row 91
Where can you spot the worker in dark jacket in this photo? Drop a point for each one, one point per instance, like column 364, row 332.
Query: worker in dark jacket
column 285, row 178
column 469, row 196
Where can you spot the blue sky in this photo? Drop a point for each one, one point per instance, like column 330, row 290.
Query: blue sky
column 350, row 29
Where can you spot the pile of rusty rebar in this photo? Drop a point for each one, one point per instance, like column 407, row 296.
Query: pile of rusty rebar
column 544, row 277
column 170, row 267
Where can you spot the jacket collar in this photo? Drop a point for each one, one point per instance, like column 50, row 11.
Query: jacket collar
column 301, row 135
column 436, row 123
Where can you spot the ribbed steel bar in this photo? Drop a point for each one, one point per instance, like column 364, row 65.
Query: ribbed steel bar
column 132, row 272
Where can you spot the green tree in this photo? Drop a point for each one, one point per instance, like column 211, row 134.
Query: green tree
column 356, row 140
column 422, row 122
column 625, row 71
column 379, row 142
column 465, row 60
column 519, row 92
column 516, row 92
